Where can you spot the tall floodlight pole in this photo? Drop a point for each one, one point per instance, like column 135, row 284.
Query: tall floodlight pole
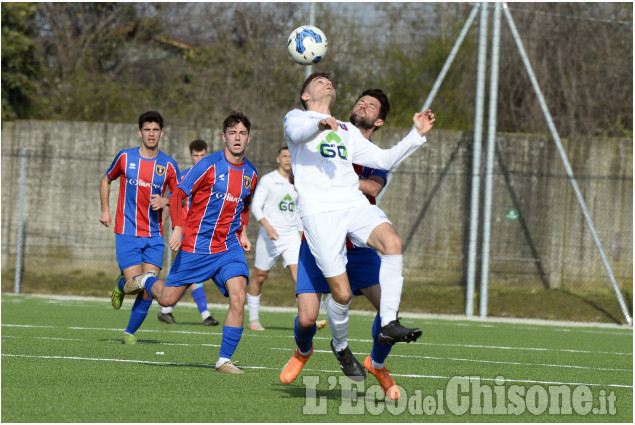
column 309, row 69
column 489, row 168
column 476, row 161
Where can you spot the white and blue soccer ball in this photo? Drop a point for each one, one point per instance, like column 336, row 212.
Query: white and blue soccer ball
column 307, row 45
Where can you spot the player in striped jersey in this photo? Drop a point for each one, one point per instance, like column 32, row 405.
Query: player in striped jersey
column 145, row 174
column 212, row 240
column 198, row 150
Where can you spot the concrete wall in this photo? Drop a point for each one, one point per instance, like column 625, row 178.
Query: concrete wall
column 547, row 244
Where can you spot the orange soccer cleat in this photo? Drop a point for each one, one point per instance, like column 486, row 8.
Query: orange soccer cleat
column 384, row 378
column 292, row 369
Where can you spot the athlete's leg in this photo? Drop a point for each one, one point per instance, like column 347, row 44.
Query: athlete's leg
column 337, row 309
column 253, row 297
column 233, row 326
column 303, row 330
column 200, row 298
column 379, row 351
column 308, row 310
column 141, row 305
column 385, row 239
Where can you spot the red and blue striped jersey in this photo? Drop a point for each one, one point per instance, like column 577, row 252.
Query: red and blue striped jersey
column 220, row 193
column 140, row 178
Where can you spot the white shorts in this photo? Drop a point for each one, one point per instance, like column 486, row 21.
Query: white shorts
column 326, row 234
column 268, row 251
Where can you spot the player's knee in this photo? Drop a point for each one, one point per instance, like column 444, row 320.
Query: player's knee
column 342, row 297
column 260, row 276
column 306, row 320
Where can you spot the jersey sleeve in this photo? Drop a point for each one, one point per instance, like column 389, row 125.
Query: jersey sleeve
column 258, row 201
column 300, row 128
column 379, row 173
column 244, row 215
column 118, row 166
column 368, row 154
column 173, row 176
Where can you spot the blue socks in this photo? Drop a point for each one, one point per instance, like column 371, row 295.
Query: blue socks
column 138, row 314
column 304, row 337
column 120, row 284
column 199, row 297
column 380, row 351
column 231, row 338
column 148, row 284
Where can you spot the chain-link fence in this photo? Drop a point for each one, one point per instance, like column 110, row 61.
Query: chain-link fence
column 543, row 260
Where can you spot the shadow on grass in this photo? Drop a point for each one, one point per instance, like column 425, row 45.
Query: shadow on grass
column 298, row 390
column 594, row 305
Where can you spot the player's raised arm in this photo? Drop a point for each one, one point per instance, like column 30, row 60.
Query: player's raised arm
column 423, row 121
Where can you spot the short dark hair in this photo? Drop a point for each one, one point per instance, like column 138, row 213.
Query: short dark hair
column 308, row 81
column 151, row 116
column 282, row 148
column 198, row 145
column 234, row 118
column 384, row 104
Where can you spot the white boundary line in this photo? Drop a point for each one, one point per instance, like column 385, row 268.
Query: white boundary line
column 260, row 335
column 450, row 317
column 305, row 370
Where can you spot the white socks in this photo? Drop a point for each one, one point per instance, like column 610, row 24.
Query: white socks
column 205, row 314
column 253, row 302
column 166, row 310
column 391, row 283
column 338, row 320
column 221, row 361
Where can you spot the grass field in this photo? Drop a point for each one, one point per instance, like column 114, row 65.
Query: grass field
column 63, row 361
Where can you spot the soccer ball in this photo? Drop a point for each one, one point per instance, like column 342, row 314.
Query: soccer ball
column 307, row 45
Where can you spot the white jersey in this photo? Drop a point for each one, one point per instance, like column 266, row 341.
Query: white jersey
column 275, row 199
column 322, row 161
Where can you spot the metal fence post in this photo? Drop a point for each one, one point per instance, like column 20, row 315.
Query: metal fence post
column 18, row 255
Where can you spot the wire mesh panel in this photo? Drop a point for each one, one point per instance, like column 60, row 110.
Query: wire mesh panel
column 540, row 245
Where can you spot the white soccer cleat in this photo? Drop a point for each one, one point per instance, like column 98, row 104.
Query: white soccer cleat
column 255, row 325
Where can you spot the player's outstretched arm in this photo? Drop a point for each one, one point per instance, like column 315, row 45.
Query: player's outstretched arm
column 423, row 121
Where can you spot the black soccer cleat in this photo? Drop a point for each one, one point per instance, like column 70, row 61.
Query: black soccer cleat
column 349, row 364
column 393, row 332
column 167, row 318
column 210, row 321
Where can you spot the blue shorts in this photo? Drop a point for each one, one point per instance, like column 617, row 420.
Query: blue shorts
column 362, row 269
column 134, row 250
column 189, row 268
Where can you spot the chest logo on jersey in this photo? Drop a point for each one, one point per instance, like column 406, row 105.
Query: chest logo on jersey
column 132, row 166
column 286, row 204
column 332, row 146
column 160, row 169
column 247, row 181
